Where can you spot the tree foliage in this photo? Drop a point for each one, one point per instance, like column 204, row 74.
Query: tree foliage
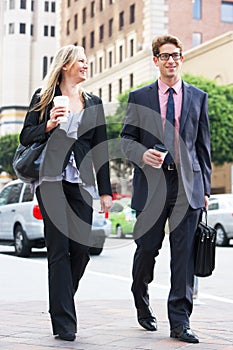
column 220, row 103
column 8, row 145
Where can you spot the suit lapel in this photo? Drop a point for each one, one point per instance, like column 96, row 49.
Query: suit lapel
column 153, row 96
column 187, row 95
column 153, row 103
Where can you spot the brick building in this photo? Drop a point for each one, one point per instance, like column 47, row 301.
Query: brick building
column 117, row 35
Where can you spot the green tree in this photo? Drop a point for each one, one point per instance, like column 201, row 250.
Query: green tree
column 8, row 145
column 220, row 102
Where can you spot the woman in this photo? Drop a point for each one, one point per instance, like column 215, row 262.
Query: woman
column 67, row 183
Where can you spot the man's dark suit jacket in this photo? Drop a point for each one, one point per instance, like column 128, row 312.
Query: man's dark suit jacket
column 89, row 148
column 143, row 129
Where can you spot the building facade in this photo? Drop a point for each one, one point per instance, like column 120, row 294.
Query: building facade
column 28, row 39
column 117, row 35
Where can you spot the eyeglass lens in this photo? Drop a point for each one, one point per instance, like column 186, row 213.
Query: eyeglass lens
column 165, row 56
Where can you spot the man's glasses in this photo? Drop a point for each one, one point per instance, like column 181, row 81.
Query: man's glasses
column 165, row 56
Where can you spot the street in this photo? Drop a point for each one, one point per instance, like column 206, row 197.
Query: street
column 106, row 314
column 108, row 276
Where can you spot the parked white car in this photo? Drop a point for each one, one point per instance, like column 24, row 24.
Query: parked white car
column 21, row 222
column 220, row 216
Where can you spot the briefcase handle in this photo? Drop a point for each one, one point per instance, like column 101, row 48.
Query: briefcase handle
column 203, row 213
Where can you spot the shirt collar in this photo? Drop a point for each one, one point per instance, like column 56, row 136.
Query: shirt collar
column 164, row 87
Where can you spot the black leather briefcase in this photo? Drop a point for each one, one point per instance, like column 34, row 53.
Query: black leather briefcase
column 205, row 245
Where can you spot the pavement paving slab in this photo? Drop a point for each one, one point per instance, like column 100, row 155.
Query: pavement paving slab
column 112, row 325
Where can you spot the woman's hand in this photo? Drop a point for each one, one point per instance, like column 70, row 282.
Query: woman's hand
column 105, row 203
column 55, row 114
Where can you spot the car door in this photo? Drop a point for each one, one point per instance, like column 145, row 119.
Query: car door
column 3, row 201
column 9, row 199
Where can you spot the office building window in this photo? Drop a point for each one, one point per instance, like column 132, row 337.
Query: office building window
column 100, row 93
column 32, row 5
column 22, row 28
column 84, row 15
column 197, row 9
column 45, row 66
column 131, row 47
column 52, row 31
column 132, row 14
column 84, row 42
column 12, row 4
column 11, row 28
column 101, row 5
column 100, row 64
column 120, row 86
column 196, row 39
column 109, row 92
column 131, row 80
column 46, row 6
column 53, row 6
column 121, row 20
column 101, row 33
column 91, row 69
column 110, row 27
column 92, row 39
column 227, row 11
column 120, row 53
column 46, row 31
column 68, row 27
column 23, row 4
column 92, row 8
column 110, row 59
column 32, row 30
column 75, row 21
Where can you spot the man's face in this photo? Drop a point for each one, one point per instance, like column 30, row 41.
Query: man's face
column 169, row 66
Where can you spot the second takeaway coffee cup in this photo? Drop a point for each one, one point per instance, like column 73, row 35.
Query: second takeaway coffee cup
column 163, row 151
column 62, row 101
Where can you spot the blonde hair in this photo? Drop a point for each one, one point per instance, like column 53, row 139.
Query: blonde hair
column 65, row 55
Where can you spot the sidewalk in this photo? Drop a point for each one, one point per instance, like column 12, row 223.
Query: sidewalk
column 112, row 325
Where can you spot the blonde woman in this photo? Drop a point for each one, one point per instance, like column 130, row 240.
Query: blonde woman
column 67, row 181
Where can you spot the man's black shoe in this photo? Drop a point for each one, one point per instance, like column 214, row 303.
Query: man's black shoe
column 185, row 334
column 69, row 336
column 146, row 319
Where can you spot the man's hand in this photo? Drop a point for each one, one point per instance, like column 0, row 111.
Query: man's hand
column 152, row 157
column 206, row 202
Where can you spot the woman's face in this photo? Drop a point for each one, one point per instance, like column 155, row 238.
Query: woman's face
column 78, row 71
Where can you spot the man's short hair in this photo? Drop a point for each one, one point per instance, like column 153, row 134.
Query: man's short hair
column 160, row 40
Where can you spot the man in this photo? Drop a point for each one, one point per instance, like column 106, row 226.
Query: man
column 174, row 189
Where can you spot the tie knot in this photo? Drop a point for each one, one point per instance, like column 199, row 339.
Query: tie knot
column 170, row 90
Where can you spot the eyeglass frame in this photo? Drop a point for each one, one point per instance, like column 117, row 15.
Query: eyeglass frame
column 170, row 55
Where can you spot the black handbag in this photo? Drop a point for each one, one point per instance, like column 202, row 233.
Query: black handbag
column 27, row 160
column 205, row 245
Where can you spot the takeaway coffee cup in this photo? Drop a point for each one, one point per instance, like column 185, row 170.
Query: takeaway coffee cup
column 62, row 101
column 163, row 151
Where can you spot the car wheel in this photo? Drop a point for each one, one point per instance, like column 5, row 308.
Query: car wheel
column 221, row 237
column 95, row 251
column 119, row 231
column 22, row 246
